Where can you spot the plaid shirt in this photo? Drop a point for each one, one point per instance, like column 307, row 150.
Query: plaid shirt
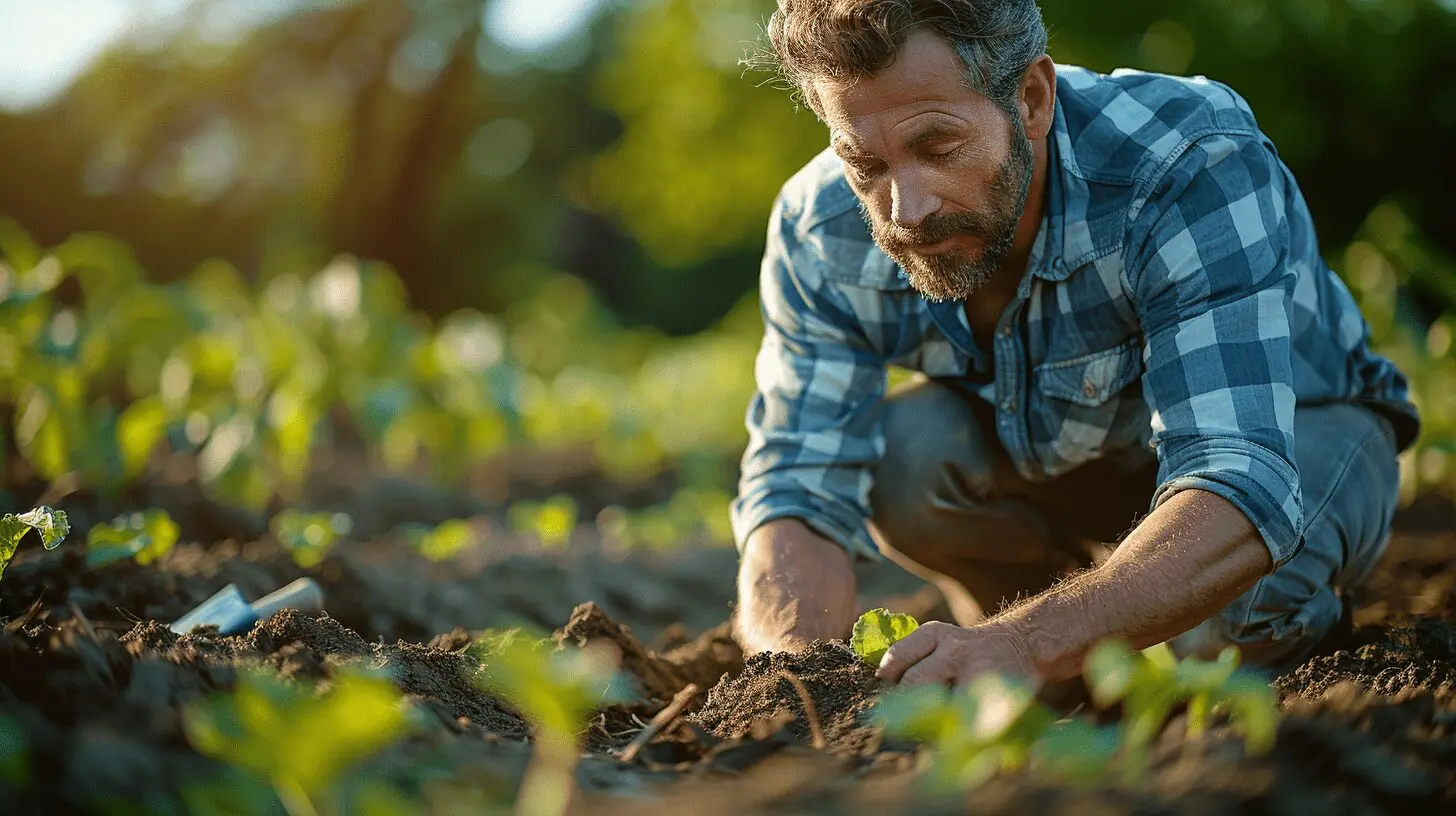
column 1175, row 299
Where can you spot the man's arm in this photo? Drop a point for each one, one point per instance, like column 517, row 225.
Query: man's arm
column 1188, row 559
column 794, row 586
column 814, row 440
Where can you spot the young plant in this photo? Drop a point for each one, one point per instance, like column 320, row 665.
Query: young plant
column 877, row 630
column 992, row 725
column 299, row 740
column 555, row 689
column 1152, row 683
column 443, row 541
column 51, row 525
column 143, row 537
column 308, row 537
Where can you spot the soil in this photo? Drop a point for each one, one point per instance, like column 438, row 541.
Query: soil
column 96, row 685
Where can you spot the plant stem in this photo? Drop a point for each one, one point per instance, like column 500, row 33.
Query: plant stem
column 548, row 784
column 295, row 800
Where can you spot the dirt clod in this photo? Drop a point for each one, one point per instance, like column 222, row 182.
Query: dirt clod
column 841, row 689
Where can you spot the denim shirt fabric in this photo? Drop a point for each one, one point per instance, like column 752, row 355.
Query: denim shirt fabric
column 1175, row 300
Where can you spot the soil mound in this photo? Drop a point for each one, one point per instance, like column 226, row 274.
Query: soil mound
column 1409, row 655
column 840, row 686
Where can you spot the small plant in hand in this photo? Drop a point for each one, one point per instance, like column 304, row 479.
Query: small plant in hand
column 555, row 689
column 143, row 537
column 297, row 739
column 877, row 630
column 51, row 525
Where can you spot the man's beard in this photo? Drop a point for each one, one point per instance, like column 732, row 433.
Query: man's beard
column 955, row 275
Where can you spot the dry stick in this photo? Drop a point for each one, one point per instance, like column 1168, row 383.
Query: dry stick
column 663, row 719
column 809, row 711
column 84, row 621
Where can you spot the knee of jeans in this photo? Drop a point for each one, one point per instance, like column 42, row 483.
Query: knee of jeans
column 934, row 449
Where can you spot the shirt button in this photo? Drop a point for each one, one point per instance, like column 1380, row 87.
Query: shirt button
column 1089, row 389
column 1008, row 404
column 1006, row 332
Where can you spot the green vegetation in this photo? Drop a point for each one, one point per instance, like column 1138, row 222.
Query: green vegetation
column 1151, row 684
column 298, row 739
column 877, row 630
column 50, row 524
column 14, row 759
column 143, row 537
column 308, row 537
column 554, row 689
column 995, row 725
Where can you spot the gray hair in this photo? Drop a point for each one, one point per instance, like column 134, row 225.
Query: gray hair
column 844, row 40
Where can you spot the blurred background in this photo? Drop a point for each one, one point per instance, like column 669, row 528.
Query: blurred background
column 511, row 246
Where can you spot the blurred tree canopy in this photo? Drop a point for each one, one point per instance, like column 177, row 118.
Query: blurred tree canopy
column 636, row 155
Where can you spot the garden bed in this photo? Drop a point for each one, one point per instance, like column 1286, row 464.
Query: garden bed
column 97, row 688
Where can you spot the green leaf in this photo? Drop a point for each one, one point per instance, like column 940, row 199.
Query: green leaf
column 1253, row 709
column 296, row 738
column 1205, row 675
column 555, row 689
column 877, row 630
column 144, row 537
column 913, row 712
column 14, row 760
column 138, row 430
column 50, row 524
column 444, row 541
column 1109, row 670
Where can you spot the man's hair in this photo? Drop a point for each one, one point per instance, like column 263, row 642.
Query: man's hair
column 845, row 40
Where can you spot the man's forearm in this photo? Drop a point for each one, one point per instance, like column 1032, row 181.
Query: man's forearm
column 793, row 586
column 1184, row 562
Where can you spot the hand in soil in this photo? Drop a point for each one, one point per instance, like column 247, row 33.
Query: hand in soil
column 954, row 655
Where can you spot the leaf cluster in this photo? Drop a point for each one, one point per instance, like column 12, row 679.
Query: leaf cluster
column 299, row 738
column 877, row 630
column 143, row 537
column 308, row 537
column 50, row 525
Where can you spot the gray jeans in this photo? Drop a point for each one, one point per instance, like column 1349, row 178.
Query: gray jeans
column 950, row 507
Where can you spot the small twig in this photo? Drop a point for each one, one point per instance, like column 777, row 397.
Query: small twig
column 663, row 719
column 810, row 713
column 84, row 621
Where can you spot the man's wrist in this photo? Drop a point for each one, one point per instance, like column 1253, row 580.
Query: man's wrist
column 1051, row 636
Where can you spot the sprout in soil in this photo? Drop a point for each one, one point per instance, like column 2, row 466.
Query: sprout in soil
column 51, row 525
column 877, row 630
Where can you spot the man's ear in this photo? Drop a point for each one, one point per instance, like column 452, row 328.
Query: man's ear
column 1037, row 97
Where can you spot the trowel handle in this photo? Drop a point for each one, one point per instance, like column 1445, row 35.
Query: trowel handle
column 303, row 594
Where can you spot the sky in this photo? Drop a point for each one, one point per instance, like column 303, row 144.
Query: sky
column 46, row 44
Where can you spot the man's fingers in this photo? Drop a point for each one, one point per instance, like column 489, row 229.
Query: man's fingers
column 912, row 649
column 937, row 669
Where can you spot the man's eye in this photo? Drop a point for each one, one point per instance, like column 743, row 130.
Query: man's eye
column 863, row 168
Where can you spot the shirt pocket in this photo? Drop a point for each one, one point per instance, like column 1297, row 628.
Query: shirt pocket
column 1081, row 400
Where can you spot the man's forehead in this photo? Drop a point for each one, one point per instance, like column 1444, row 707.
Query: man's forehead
column 926, row 77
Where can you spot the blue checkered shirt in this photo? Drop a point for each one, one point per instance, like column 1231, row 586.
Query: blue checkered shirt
column 1175, row 299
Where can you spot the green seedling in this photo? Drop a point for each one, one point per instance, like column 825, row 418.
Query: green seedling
column 308, row 537
column 992, row 725
column 143, row 537
column 551, row 520
column 555, row 689
column 443, row 541
column 1152, row 683
column 50, row 524
column 877, row 630
column 296, row 738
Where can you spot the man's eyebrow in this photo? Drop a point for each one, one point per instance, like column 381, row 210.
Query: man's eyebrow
column 930, row 133
column 845, row 145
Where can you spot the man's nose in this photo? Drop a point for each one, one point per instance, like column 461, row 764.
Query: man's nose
column 910, row 204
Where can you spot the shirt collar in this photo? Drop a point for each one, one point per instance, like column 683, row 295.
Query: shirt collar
column 1058, row 241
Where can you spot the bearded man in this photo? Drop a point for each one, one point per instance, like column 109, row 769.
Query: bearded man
column 1112, row 289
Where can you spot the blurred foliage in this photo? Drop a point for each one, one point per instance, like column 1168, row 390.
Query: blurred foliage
column 299, row 738
column 14, row 758
column 555, row 215
column 143, row 537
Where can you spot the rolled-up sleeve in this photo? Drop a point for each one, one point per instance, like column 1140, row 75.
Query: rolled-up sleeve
column 1213, row 287
column 814, row 426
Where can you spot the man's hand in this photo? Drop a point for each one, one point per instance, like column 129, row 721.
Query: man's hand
column 947, row 654
column 793, row 586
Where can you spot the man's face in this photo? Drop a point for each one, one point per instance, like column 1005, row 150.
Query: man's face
column 941, row 172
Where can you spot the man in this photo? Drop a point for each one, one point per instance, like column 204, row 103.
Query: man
column 1112, row 288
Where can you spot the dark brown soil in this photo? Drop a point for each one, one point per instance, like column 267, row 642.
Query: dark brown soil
column 841, row 689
